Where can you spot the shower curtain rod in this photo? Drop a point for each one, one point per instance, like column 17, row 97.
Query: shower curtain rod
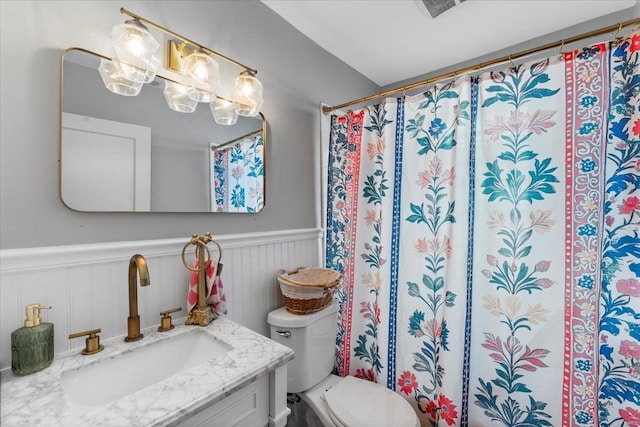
column 226, row 144
column 509, row 58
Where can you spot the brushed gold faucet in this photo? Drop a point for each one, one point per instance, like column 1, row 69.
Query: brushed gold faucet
column 136, row 263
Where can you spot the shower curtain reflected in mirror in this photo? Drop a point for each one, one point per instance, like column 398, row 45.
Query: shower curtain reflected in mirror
column 237, row 175
column 487, row 231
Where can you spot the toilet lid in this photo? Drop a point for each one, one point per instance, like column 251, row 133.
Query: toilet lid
column 359, row 403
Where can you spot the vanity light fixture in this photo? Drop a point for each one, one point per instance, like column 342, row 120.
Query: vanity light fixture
column 114, row 81
column 135, row 63
column 134, row 50
column 224, row 111
column 247, row 94
column 200, row 74
column 177, row 97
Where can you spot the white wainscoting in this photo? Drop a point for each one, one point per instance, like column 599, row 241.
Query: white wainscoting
column 87, row 285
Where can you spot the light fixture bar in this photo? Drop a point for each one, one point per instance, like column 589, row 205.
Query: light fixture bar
column 186, row 40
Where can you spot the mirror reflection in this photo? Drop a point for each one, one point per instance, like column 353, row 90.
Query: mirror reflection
column 135, row 154
column 238, row 169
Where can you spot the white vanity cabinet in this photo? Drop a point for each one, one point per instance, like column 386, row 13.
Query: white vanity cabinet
column 248, row 406
column 260, row 403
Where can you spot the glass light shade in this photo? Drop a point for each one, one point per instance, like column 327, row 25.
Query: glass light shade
column 224, row 112
column 178, row 98
column 115, row 82
column 201, row 74
column 136, row 74
column 134, row 50
column 247, row 91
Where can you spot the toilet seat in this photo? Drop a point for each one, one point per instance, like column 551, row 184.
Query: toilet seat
column 355, row 402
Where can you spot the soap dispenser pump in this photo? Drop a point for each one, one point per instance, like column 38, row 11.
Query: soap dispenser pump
column 32, row 345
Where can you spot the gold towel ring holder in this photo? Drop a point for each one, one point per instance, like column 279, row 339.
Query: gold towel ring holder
column 208, row 238
column 195, row 241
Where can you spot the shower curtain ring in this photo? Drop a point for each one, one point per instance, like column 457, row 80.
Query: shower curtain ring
column 513, row 65
column 561, row 47
column 615, row 36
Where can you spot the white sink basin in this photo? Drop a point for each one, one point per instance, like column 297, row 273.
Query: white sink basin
column 107, row 381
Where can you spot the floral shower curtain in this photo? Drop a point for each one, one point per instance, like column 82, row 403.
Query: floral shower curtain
column 237, row 176
column 487, row 231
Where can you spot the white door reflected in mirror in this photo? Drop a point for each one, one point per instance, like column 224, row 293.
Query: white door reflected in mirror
column 107, row 165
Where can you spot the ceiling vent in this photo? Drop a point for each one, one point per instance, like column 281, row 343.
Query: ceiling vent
column 436, row 7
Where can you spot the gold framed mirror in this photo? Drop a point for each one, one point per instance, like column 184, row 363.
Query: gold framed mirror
column 135, row 154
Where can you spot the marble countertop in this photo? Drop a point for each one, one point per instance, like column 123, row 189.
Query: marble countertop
column 39, row 399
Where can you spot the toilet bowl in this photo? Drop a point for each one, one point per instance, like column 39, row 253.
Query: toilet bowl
column 337, row 401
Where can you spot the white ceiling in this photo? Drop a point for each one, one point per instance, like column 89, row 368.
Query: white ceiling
column 392, row 40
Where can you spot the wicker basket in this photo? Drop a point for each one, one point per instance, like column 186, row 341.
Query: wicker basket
column 308, row 290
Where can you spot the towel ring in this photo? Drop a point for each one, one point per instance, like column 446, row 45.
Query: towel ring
column 198, row 242
column 208, row 238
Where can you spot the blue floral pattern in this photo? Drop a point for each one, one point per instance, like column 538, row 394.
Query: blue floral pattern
column 238, row 176
column 619, row 392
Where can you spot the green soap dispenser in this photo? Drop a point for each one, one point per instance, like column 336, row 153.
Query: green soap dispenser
column 32, row 345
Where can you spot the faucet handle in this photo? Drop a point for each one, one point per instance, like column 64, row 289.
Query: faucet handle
column 165, row 321
column 92, row 343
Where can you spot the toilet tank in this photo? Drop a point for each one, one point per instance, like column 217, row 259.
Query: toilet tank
column 313, row 338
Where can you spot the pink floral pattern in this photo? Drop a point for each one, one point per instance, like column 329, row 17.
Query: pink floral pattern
column 629, row 205
column 630, row 349
column 630, row 416
column 630, row 287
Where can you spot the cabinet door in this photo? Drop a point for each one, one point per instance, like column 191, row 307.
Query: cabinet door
column 247, row 407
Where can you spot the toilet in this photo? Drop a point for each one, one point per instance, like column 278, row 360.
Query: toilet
column 337, row 401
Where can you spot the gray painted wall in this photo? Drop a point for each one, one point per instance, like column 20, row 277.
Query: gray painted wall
column 296, row 73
